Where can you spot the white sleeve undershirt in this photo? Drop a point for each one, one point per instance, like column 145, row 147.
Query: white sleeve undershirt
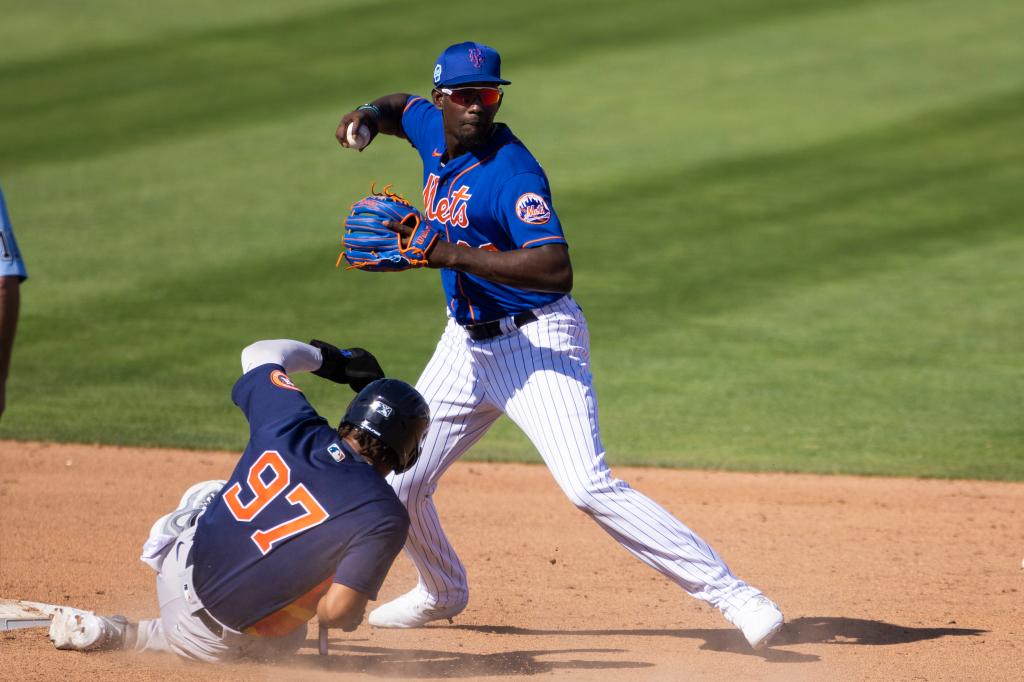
column 294, row 356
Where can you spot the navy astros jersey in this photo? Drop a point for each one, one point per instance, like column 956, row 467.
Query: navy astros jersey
column 496, row 197
column 299, row 512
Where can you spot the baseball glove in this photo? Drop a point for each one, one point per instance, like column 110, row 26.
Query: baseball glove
column 369, row 245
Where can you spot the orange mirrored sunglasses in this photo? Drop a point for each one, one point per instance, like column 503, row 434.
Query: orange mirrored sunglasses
column 465, row 97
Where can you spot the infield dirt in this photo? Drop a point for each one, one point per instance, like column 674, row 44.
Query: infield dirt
column 879, row 578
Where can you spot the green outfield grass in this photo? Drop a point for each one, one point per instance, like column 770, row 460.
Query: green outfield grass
column 797, row 226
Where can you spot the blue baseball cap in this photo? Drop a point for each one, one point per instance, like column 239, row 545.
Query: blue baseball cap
column 468, row 62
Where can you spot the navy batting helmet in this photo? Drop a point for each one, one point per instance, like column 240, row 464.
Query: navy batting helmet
column 395, row 413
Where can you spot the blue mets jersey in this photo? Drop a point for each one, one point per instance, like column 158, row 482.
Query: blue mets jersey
column 10, row 258
column 496, row 197
column 299, row 512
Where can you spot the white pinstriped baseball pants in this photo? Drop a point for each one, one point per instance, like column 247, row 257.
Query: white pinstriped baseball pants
column 540, row 377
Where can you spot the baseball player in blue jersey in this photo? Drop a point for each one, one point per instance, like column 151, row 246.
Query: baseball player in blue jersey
column 516, row 343
column 306, row 525
column 12, row 274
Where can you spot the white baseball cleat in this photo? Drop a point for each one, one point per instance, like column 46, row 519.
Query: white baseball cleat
column 192, row 504
column 85, row 631
column 759, row 620
column 169, row 526
column 411, row 610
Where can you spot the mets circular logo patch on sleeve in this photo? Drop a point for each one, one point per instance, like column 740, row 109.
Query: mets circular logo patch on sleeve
column 531, row 208
column 279, row 378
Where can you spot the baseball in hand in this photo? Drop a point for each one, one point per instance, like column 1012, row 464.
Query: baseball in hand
column 357, row 139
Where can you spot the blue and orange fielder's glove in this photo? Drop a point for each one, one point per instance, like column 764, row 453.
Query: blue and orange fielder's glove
column 370, row 245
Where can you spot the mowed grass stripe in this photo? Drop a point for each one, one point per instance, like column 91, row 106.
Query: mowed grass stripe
column 820, row 212
column 156, row 366
column 127, row 96
column 826, row 211
column 908, row 372
column 825, row 260
column 716, row 278
column 865, row 321
column 197, row 193
column 771, row 87
column 37, row 31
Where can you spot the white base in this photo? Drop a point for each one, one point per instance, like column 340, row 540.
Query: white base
column 18, row 613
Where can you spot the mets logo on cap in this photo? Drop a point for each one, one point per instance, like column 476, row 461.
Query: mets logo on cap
column 531, row 208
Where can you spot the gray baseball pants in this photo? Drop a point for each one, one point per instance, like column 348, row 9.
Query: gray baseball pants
column 181, row 631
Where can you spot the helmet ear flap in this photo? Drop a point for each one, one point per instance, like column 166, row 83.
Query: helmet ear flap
column 410, row 461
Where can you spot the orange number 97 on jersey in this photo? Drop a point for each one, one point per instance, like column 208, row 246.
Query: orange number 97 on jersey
column 263, row 492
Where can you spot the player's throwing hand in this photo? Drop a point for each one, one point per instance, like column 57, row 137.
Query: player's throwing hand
column 358, row 128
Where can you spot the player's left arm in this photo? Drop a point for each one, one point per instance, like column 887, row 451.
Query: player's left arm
column 543, row 268
column 522, row 206
column 267, row 396
column 342, row 607
column 361, row 571
column 353, row 366
column 293, row 356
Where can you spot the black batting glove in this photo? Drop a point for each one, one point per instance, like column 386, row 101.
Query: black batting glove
column 353, row 366
column 362, row 368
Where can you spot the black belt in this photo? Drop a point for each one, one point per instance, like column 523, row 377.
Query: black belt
column 488, row 330
column 202, row 614
column 213, row 626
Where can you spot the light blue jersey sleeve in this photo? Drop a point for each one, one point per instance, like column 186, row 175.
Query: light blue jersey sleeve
column 11, row 263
